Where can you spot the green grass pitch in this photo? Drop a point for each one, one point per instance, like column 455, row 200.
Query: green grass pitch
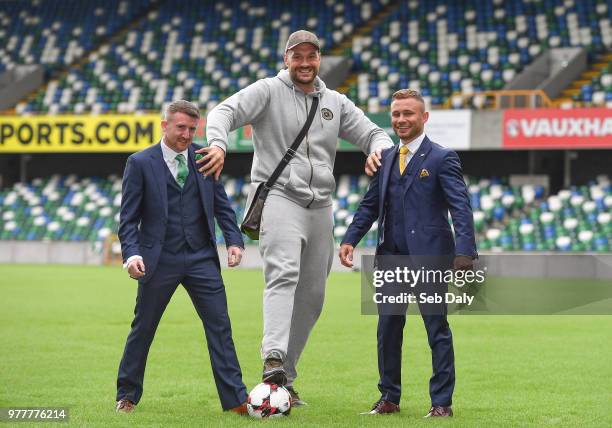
column 63, row 329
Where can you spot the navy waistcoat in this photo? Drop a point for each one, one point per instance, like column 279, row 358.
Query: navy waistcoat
column 186, row 217
column 395, row 236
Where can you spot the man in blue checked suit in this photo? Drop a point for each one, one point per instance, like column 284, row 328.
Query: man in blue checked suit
column 167, row 235
column 418, row 184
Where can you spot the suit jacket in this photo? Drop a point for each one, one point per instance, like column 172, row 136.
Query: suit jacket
column 144, row 207
column 434, row 186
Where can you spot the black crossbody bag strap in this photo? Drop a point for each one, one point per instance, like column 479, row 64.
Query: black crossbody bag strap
column 291, row 151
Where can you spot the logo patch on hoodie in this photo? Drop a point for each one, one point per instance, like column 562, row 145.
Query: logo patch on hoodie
column 327, row 114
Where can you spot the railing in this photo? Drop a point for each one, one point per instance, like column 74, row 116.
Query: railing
column 495, row 100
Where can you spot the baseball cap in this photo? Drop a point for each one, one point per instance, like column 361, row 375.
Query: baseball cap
column 302, row 36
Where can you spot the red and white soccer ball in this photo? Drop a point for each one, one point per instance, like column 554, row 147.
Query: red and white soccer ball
column 268, row 400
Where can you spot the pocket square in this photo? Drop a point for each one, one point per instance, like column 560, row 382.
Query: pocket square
column 424, row 173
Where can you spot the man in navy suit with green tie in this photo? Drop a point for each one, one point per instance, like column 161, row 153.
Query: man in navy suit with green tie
column 167, row 235
column 418, row 184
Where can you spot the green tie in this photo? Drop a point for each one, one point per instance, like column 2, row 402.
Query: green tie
column 182, row 172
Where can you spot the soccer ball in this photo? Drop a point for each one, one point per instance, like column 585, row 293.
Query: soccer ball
column 268, row 400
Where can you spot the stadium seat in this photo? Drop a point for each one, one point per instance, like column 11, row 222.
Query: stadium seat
column 203, row 52
column 479, row 47
column 506, row 218
column 49, row 33
column 206, row 52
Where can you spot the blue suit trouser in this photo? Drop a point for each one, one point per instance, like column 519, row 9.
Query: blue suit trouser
column 390, row 336
column 439, row 336
column 199, row 273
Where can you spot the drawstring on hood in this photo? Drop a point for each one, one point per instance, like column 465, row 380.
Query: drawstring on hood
column 320, row 88
column 297, row 116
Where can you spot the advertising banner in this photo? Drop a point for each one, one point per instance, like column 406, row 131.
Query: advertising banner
column 381, row 119
column 579, row 128
column 131, row 133
column 78, row 133
column 450, row 128
column 96, row 133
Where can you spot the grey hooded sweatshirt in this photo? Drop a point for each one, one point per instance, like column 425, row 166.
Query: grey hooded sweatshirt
column 277, row 110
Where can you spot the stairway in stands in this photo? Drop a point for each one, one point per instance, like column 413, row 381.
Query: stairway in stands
column 572, row 95
column 344, row 47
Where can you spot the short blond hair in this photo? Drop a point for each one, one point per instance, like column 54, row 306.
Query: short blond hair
column 181, row 106
column 408, row 93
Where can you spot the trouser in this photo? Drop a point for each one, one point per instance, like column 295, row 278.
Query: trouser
column 390, row 336
column 296, row 245
column 199, row 273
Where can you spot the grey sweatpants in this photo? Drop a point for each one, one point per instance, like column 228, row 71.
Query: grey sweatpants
column 296, row 245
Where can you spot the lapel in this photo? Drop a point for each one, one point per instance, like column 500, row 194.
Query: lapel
column 158, row 165
column 205, row 194
column 387, row 164
column 414, row 166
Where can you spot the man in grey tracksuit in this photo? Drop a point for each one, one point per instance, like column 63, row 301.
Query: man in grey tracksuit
column 296, row 236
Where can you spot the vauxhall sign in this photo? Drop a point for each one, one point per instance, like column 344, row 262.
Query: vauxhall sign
column 557, row 128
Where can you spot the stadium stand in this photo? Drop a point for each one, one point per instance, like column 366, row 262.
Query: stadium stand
column 525, row 218
column 61, row 208
column 468, row 47
column 199, row 51
column 594, row 88
column 207, row 51
column 58, row 33
column 119, row 56
column 519, row 218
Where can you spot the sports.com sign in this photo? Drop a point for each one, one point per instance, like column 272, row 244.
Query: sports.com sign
column 556, row 128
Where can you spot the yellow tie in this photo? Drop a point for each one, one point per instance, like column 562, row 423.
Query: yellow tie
column 402, row 160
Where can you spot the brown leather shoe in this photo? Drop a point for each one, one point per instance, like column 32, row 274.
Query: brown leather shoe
column 241, row 410
column 125, row 406
column 439, row 412
column 383, row 407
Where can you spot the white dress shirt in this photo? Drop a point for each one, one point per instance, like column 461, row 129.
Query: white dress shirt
column 413, row 146
column 170, row 158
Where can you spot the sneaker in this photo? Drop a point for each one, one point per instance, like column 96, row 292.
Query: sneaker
column 295, row 398
column 274, row 372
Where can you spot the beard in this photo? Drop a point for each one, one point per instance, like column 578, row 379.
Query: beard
column 295, row 76
column 177, row 144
